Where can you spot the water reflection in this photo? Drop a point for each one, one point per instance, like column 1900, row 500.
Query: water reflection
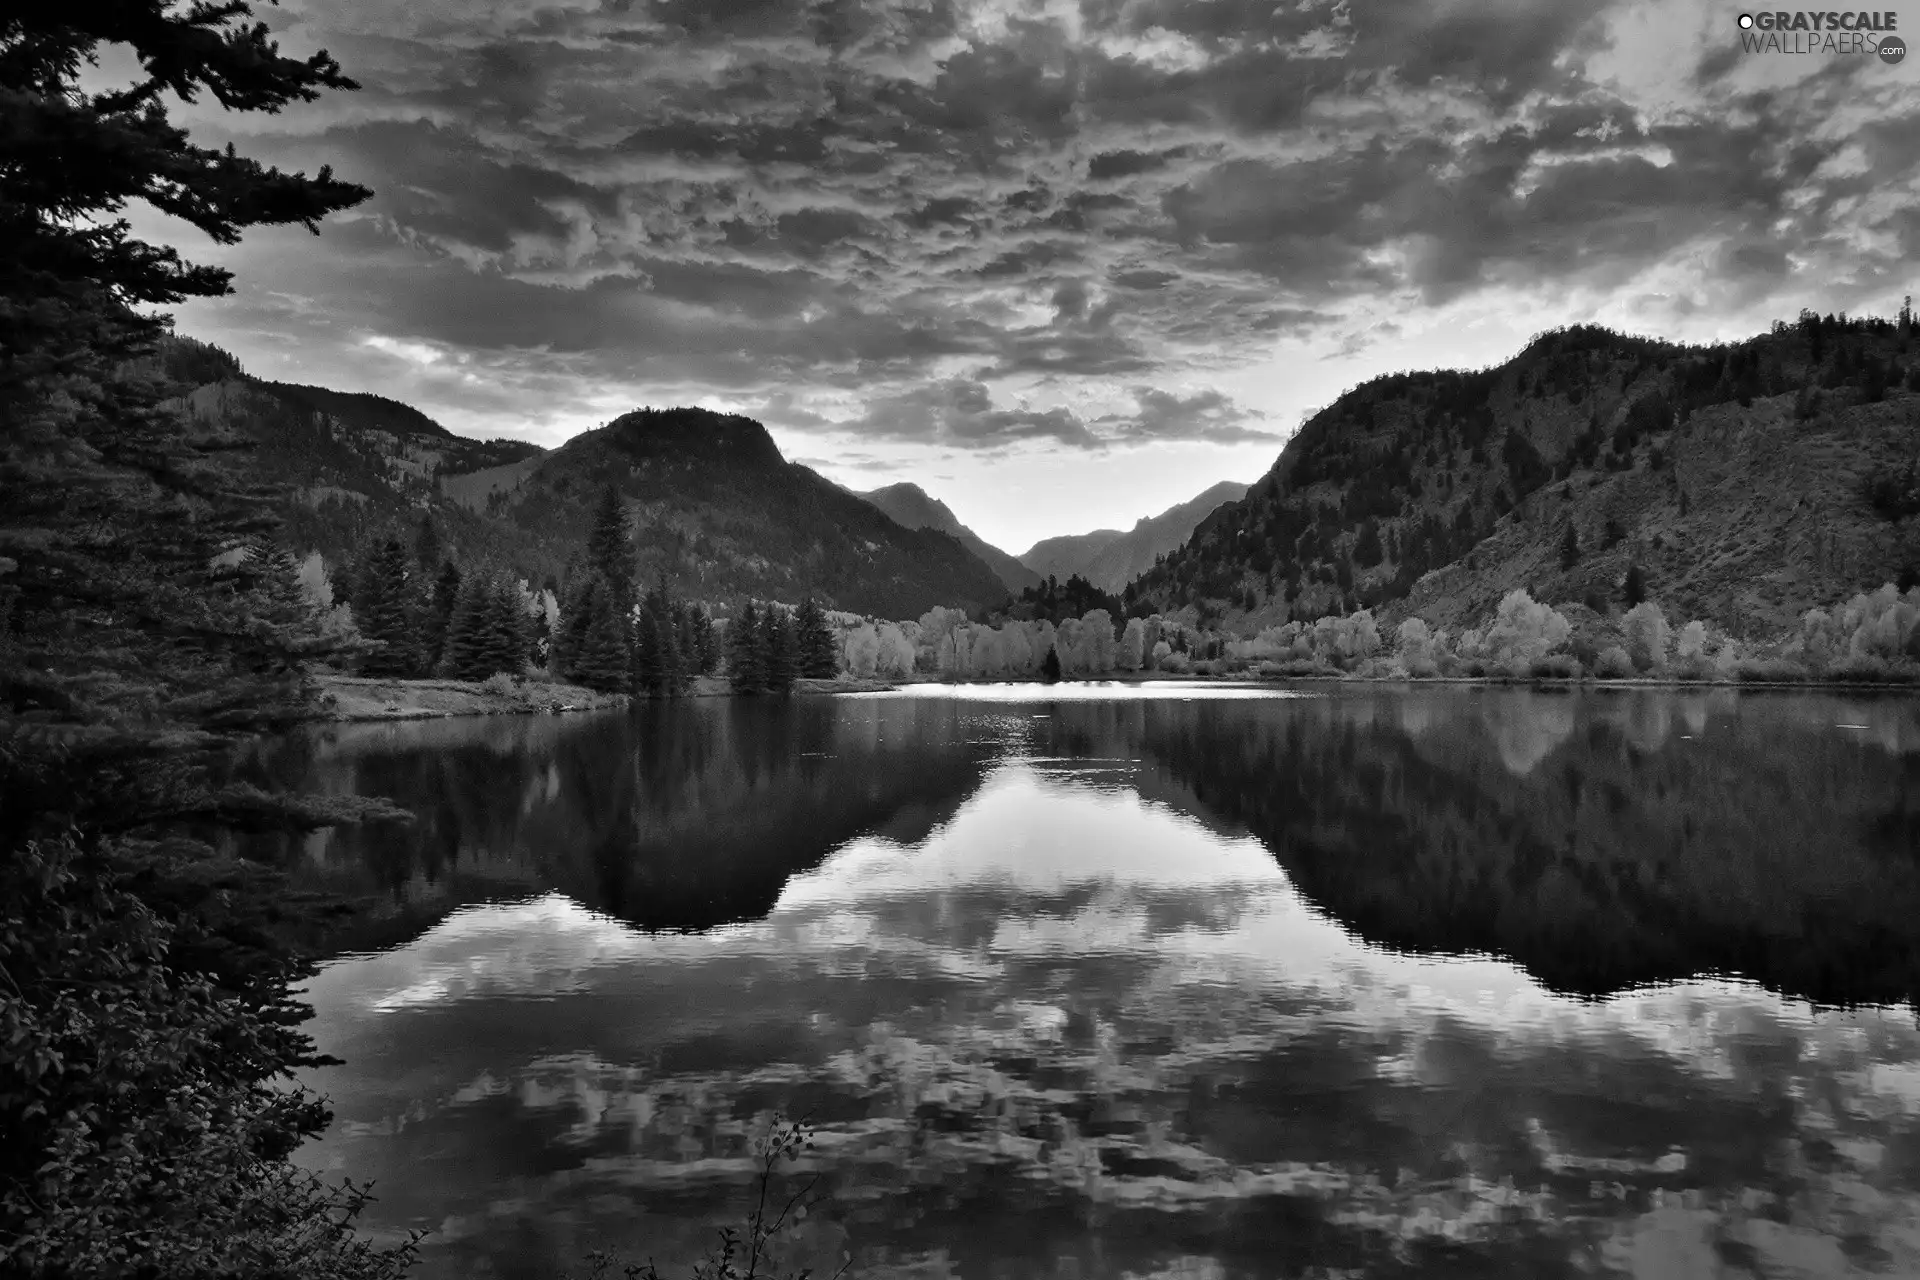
column 1130, row 988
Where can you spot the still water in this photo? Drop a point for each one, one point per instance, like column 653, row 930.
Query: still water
column 1184, row 981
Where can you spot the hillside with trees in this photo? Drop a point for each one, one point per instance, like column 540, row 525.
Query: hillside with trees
column 720, row 514
column 1740, row 485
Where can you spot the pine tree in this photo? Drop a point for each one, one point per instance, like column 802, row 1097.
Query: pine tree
column 1050, row 666
column 706, row 645
column 610, row 544
column 1570, row 548
column 144, row 986
column 1634, row 589
column 746, row 660
column 385, row 613
column 463, row 655
column 604, row 662
column 779, row 652
column 446, row 595
column 504, row 644
column 427, row 551
column 819, row 657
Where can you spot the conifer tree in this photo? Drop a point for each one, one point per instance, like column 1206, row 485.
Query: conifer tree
column 1570, row 548
column 462, row 655
column 504, row 642
column 819, row 657
column 779, row 652
column 604, row 662
column 1634, row 589
column 149, row 1008
column 706, row 644
column 746, row 658
column 384, row 611
column 427, row 551
column 446, row 595
column 610, row 545
column 576, row 614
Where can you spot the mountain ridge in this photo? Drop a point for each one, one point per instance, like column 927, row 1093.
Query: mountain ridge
column 715, row 506
column 910, row 505
column 1111, row 558
column 1748, row 482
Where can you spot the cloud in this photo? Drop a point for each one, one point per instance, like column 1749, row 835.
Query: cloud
column 897, row 202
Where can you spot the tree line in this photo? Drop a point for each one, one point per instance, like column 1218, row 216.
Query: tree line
column 612, row 640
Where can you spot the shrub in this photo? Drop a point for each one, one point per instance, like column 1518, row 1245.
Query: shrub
column 1613, row 664
column 1768, row 669
column 499, row 683
column 1555, row 666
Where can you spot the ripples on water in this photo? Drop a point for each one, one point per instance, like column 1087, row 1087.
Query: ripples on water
column 1184, row 981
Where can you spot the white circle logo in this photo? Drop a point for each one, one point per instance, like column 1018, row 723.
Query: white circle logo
column 1746, row 22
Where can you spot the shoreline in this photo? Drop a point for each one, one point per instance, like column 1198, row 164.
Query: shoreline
column 348, row 699
column 364, row 699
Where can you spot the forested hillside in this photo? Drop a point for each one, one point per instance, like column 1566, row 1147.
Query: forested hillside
column 717, row 509
column 1747, row 483
column 721, row 514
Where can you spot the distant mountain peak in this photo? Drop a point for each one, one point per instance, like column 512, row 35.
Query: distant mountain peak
column 910, row 505
column 690, row 433
column 1110, row 558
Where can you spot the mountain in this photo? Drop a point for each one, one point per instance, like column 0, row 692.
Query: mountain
column 722, row 513
column 1750, row 482
column 911, row 506
column 1111, row 559
column 715, row 505
column 1068, row 554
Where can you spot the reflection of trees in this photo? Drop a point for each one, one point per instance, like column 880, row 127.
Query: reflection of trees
column 1592, row 846
column 732, row 797
column 685, row 815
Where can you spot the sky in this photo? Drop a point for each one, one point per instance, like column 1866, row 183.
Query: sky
column 1061, row 264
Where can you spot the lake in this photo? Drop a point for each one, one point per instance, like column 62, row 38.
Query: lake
column 1166, row 980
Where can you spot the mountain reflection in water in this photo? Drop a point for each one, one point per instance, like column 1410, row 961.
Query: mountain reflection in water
column 1444, row 981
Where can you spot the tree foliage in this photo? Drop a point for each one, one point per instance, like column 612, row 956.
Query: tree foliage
column 144, row 618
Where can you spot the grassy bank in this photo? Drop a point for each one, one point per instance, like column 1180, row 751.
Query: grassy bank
column 364, row 698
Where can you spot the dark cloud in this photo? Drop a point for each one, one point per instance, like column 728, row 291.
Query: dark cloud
column 1127, row 164
column 859, row 197
column 1163, row 416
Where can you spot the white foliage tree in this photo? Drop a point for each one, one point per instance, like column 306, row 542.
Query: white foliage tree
column 863, row 651
column 1133, row 646
column 1647, row 635
column 893, row 652
column 315, row 587
column 1525, row 631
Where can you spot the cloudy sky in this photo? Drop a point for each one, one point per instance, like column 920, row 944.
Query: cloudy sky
column 1063, row 264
